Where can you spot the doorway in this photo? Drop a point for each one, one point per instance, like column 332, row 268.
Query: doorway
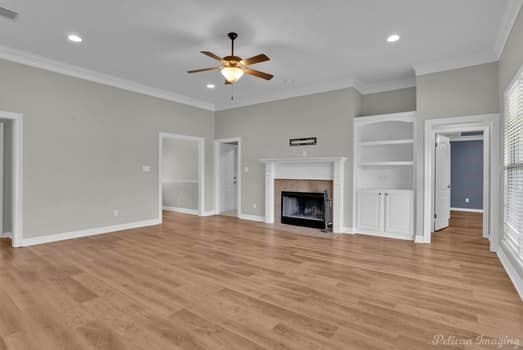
column 459, row 178
column 181, row 174
column 436, row 195
column 11, row 177
column 228, row 176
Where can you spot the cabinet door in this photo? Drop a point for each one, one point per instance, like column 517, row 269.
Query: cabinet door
column 399, row 212
column 370, row 210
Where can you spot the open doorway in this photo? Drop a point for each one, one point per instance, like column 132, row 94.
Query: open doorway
column 459, row 179
column 228, row 176
column 438, row 192
column 181, row 174
column 11, row 142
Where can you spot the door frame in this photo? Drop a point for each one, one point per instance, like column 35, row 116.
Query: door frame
column 489, row 124
column 17, row 236
column 201, row 169
column 217, row 161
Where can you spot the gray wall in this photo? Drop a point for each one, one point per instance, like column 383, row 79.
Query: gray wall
column 84, row 147
column 460, row 92
column 179, row 171
column 510, row 62
column 466, row 158
column 395, row 101
column 265, row 130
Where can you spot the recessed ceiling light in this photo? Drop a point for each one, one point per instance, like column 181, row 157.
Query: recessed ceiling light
column 210, row 86
column 393, row 38
column 75, row 38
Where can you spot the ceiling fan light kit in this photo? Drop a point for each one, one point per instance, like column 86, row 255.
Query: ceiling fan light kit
column 234, row 67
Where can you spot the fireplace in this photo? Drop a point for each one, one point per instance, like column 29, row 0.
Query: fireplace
column 307, row 209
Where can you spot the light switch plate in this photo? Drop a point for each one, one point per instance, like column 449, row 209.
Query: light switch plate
column 146, row 168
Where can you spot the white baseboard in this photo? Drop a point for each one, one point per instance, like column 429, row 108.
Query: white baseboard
column 467, row 210
column 420, row 240
column 383, row 234
column 252, row 217
column 26, row 242
column 348, row 230
column 209, row 213
column 6, row 235
column 181, row 210
column 515, row 274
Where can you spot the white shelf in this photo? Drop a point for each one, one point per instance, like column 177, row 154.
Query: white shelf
column 387, row 142
column 395, row 163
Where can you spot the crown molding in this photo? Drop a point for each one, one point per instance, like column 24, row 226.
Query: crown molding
column 507, row 22
column 51, row 65
column 318, row 89
column 429, row 68
column 305, row 91
column 390, row 85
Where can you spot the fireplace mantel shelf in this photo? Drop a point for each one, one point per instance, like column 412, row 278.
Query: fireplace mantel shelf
column 303, row 160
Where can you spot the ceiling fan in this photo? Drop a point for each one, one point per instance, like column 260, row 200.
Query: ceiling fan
column 233, row 67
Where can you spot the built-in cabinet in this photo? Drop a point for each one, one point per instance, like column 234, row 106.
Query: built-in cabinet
column 384, row 175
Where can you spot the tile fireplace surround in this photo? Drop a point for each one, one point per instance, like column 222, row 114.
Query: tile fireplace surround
column 320, row 168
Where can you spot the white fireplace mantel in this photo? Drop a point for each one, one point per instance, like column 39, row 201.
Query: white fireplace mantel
column 317, row 168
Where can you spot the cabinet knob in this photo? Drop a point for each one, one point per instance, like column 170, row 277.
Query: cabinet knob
column 386, row 194
column 379, row 193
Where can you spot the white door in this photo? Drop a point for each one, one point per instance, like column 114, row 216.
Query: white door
column 228, row 177
column 442, row 183
column 370, row 209
column 399, row 212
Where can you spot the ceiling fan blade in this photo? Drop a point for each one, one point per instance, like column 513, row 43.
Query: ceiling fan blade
column 258, row 74
column 203, row 70
column 211, row 55
column 255, row 59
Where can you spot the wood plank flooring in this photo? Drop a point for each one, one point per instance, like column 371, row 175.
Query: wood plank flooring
column 223, row 283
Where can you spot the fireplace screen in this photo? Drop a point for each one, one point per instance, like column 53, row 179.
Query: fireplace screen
column 303, row 209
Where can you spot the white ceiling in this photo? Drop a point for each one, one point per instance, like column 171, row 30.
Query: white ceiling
column 314, row 45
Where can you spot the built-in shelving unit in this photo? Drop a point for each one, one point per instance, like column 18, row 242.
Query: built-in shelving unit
column 384, row 181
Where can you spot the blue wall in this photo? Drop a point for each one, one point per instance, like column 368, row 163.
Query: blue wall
column 466, row 166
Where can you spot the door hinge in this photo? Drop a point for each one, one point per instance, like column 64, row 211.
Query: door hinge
column 435, row 216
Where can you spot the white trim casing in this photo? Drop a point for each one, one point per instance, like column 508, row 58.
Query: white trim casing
column 489, row 124
column 467, row 210
column 466, row 138
column 217, row 184
column 17, row 176
column 201, row 170
column 26, row 242
column 55, row 66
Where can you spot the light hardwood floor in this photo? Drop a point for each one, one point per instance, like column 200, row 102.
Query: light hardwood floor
column 223, row 283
